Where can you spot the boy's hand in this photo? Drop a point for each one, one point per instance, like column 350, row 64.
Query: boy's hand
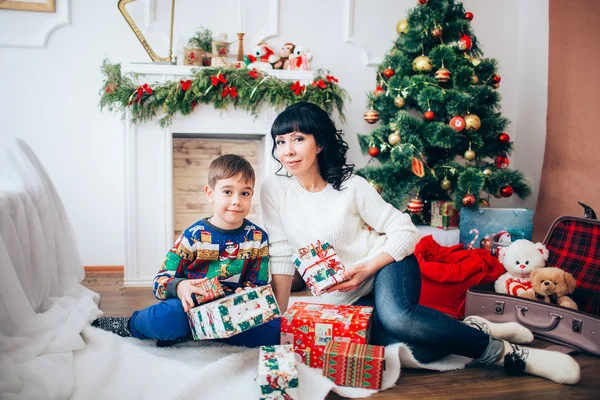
column 186, row 288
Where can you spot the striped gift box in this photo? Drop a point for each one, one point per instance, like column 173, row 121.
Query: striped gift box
column 354, row 364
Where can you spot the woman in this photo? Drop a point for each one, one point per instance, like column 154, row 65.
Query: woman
column 321, row 199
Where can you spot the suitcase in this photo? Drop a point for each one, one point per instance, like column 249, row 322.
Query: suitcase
column 574, row 246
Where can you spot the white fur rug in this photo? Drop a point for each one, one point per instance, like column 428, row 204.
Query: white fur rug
column 113, row 367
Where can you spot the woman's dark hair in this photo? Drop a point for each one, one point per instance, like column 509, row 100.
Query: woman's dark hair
column 309, row 118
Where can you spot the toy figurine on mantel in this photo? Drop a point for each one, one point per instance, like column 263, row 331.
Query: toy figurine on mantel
column 262, row 57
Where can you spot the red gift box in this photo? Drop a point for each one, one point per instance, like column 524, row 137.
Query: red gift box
column 309, row 327
column 352, row 364
column 212, row 290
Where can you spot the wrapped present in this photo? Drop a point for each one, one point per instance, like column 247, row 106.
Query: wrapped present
column 444, row 215
column 491, row 228
column 212, row 290
column 319, row 266
column 277, row 373
column 233, row 314
column 352, row 364
column 309, row 327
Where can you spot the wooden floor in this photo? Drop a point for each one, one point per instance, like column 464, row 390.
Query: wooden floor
column 469, row 383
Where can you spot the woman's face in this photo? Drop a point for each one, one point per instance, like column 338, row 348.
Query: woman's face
column 298, row 153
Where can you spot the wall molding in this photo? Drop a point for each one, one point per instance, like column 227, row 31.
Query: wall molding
column 349, row 37
column 271, row 28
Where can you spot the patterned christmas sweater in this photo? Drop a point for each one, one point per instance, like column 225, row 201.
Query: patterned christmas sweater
column 238, row 257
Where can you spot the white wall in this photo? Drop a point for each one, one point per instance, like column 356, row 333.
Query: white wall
column 49, row 96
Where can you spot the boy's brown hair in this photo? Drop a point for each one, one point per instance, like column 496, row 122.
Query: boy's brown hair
column 227, row 166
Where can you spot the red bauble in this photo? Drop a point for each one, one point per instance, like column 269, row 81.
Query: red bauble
column 388, row 73
column 378, row 90
column 469, row 15
column 423, row 2
column 465, row 43
column 374, row 151
column 429, row 115
column 506, row 191
column 415, row 205
column 437, row 32
column 457, row 123
column 468, row 200
column 502, row 161
column 504, row 138
column 496, row 78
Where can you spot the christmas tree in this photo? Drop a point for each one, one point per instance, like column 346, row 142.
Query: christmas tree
column 440, row 134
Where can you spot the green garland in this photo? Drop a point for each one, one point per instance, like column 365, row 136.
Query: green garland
column 221, row 87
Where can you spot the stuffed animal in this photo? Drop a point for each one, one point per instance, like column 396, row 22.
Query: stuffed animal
column 553, row 285
column 520, row 259
column 300, row 59
column 262, row 57
column 284, row 56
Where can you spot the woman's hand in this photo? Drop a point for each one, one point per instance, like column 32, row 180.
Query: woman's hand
column 186, row 288
column 354, row 276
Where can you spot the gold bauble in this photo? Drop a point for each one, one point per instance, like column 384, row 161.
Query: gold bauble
column 377, row 186
column 469, row 155
column 442, row 75
column 495, row 85
column 472, row 122
column 446, row 184
column 394, row 139
column 487, row 172
column 371, row 116
column 399, row 101
column 402, row 26
column 422, row 64
column 474, row 80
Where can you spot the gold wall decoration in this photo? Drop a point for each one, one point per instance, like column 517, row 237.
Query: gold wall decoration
column 138, row 33
column 42, row 6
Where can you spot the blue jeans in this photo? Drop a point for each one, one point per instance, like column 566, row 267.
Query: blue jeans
column 166, row 320
column 430, row 333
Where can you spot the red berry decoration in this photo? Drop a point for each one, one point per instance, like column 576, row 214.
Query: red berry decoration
column 388, row 73
column 374, row 151
column 469, row 15
column 496, row 78
column 506, row 191
column 378, row 90
column 468, row 200
column 502, row 161
column 457, row 123
column 429, row 115
column 465, row 43
column 504, row 138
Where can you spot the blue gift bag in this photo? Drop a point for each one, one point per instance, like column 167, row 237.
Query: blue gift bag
column 491, row 228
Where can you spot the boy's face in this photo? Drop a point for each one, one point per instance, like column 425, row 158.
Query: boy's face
column 231, row 199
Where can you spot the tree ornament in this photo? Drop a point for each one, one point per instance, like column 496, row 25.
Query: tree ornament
column 469, row 154
column 399, row 101
column 402, row 26
column 487, row 172
column 376, row 186
column 423, row 2
column 506, row 191
column 472, row 122
column 437, row 32
column 468, row 200
column 417, row 167
column 378, row 90
column 374, row 151
column 474, row 80
column 483, row 203
column 469, row 16
column 429, row 115
column 415, row 205
column 394, row 139
column 496, row 78
column 389, row 72
column 495, row 85
column 465, row 43
column 371, row 116
column 422, row 64
column 446, row 184
column 442, row 75
column 502, row 161
column 457, row 123
column 504, row 138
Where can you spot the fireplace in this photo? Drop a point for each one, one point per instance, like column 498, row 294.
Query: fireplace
column 149, row 208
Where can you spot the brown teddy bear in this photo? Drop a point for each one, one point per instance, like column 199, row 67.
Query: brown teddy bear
column 284, row 55
column 553, row 285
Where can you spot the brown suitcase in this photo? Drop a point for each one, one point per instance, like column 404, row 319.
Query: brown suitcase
column 574, row 246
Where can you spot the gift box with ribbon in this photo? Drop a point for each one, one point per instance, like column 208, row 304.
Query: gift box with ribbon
column 319, row 266
column 277, row 373
column 352, row 364
column 211, row 289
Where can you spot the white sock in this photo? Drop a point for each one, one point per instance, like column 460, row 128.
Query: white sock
column 552, row 365
column 510, row 331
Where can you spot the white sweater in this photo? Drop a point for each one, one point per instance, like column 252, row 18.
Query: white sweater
column 295, row 217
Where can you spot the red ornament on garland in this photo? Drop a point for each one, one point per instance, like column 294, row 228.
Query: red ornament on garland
column 429, row 115
column 504, row 138
column 457, row 123
column 185, row 85
column 506, row 191
column 374, row 151
column 468, row 200
column 465, row 43
column 496, row 78
column 502, row 161
column 469, row 15
column 378, row 90
column 388, row 73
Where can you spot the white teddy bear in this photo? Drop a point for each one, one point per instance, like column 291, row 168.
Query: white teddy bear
column 300, row 59
column 262, row 57
column 519, row 259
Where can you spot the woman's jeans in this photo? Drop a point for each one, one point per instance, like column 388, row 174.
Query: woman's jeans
column 430, row 334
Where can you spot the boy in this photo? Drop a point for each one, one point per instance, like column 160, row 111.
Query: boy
column 225, row 245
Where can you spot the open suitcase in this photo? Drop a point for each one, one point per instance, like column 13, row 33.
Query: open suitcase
column 574, row 246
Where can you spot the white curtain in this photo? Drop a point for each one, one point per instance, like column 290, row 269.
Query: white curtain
column 43, row 306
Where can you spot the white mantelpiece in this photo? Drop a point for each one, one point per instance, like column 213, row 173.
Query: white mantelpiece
column 149, row 166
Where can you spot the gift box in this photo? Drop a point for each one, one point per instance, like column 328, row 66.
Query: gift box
column 319, row 266
column 212, row 290
column 444, row 215
column 491, row 228
column 352, row 364
column 309, row 327
column 277, row 373
column 233, row 314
